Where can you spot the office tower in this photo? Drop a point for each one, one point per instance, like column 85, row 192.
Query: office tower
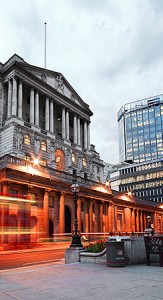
column 140, row 126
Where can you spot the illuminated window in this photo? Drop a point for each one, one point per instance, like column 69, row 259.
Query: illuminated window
column 43, row 162
column 27, row 139
column 43, row 145
column 58, row 159
column 27, row 157
column 84, row 162
column 73, row 158
column 33, row 197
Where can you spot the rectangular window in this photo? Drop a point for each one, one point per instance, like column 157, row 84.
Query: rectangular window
column 33, row 198
column 51, row 201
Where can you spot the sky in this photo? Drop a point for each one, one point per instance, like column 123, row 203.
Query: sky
column 110, row 51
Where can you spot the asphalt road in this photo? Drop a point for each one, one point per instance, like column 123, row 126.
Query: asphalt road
column 22, row 259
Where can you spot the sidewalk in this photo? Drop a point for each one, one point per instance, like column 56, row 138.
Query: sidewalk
column 82, row 281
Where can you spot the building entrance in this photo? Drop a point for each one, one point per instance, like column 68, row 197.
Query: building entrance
column 67, row 220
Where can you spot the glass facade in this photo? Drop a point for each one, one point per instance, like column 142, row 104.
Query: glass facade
column 140, row 128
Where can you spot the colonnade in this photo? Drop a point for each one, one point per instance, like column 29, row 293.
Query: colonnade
column 81, row 128
column 101, row 216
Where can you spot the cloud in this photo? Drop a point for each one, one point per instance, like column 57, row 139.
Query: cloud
column 110, row 52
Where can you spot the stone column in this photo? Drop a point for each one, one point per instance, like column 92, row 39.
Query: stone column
column 67, row 125
column 106, row 207
column 63, row 123
column 32, row 105
column 86, row 216
column 91, row 217
column 141, row 220
column 101, row 216
column 14, row 97
column 127, row 220
column 79, row 213
column 37, row 108
column 88, row 142
column 46, row 213
column 20, row 98
column 75, row 129
column 51, row 116
column 4, row 217
column 97, row 217
column 79, row 140
column 110, row 216
column 131, row 220
column 62, row 213
column 47, row 114
column 85, row 135
column 9, row 107
column 115, row 218
column 137, row 220
column 28, row 214
column 155, row 221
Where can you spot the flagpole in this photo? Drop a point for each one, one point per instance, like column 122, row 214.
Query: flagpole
column 45, row 47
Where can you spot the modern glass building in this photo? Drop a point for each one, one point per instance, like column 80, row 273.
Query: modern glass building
column 140, row 128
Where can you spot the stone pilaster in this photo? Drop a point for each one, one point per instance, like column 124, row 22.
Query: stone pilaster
column 62, row 213
column 78, row 125
column 32, row 105
column 47, row 114
column 63, row 123
column 51, row 116
column 14, row 97
column 20, row 98
column 37, row 108
column 85, row 135
column 75, row 129
column 67, row 125
column 9, row 106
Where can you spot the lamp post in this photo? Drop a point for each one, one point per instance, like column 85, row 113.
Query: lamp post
column 76, row 237
column 149, row 229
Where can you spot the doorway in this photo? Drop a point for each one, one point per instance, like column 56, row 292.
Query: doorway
column 51, row 229
column 67, row 220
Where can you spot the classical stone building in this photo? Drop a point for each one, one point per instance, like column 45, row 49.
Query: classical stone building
column 44, row 143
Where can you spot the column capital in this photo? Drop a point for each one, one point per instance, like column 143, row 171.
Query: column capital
column 47, row 191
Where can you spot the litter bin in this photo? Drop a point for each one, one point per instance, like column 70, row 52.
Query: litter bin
column 115, row 254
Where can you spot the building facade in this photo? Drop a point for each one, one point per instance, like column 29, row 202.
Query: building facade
column 44, row 144
column 140, row 126
column 145, row 179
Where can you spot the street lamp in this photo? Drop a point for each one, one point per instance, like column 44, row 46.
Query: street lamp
column 149, row 229
column 76, row 237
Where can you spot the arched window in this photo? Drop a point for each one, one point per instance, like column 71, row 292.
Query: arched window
column 43, row 146
column 27, row 139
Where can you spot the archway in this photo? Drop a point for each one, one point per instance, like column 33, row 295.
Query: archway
column 51, row 229
column 67, row 220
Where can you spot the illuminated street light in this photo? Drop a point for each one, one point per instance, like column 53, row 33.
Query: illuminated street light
column 76, row 237
column 149, row 229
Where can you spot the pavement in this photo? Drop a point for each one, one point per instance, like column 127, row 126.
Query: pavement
column 82, row 281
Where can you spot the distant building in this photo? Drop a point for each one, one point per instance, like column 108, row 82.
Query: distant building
column 145, row 180
column 140, row 127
